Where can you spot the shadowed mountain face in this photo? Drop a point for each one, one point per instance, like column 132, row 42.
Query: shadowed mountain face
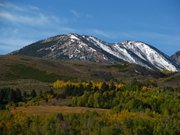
column 89, row 48
column 176, row 58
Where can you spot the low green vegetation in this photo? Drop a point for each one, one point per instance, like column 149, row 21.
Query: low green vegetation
column 21, row 71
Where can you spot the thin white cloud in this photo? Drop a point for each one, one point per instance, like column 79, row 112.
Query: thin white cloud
column 103, row 33
column 75, row 13
column 34, row 8
column 29, row 15
column 12, row 7
column 78, row 14
column 39, row 19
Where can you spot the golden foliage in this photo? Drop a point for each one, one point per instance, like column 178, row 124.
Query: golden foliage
column 98, row 85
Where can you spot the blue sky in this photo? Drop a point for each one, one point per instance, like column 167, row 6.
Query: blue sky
column 156, row 22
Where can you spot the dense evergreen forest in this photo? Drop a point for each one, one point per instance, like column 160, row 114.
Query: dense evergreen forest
column 141, row 108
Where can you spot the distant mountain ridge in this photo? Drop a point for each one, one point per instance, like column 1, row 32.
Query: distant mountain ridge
column 89, row 48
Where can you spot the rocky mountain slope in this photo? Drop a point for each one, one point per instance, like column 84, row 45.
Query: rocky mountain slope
column 88, row 48
column 176, row 58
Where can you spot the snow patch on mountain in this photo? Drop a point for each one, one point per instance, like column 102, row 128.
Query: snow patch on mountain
column 149, row 54
column 73, row 37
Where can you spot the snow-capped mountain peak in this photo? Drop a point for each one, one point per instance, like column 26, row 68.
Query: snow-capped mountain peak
column 149, row 54
column 89, row 48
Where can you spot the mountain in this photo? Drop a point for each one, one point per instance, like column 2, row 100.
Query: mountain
column 176, row 58
column 88, row 48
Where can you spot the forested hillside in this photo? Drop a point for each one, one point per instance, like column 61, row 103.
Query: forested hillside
column 130, row 108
